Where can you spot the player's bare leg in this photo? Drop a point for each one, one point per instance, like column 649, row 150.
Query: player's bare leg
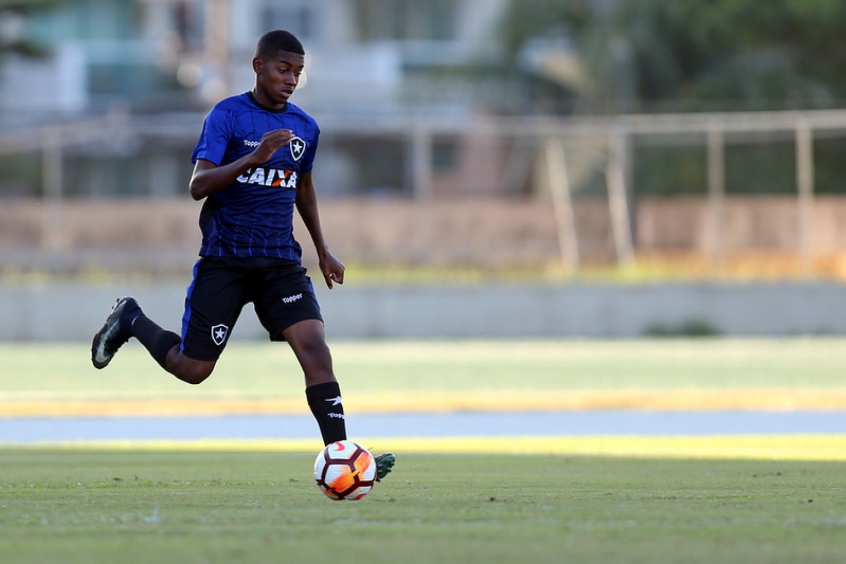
column 187, row 369
column 308, row 341
column 323, row 393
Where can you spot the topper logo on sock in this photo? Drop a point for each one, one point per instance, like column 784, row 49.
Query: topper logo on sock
column 218, row 333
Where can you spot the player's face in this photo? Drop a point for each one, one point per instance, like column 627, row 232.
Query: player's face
column 277, row 77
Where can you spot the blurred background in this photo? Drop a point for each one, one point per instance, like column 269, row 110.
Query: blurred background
column 487, row 168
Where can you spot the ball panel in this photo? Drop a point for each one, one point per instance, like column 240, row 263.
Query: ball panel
column 365, row 465
column 341, row 450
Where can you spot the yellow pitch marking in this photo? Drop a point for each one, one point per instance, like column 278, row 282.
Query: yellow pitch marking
column 752, row 447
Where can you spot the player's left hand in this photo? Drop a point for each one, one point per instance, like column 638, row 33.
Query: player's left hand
column 332, row 269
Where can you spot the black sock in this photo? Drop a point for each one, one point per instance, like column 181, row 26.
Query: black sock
column 156, row 340
column 327, row 408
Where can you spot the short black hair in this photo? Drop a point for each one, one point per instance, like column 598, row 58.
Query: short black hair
column 278, row 40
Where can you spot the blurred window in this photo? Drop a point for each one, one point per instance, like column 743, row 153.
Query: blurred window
column 189, row 26
column 405, row 20
column 299, row 19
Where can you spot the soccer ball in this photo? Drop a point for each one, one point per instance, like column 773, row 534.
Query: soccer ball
column 345, row 470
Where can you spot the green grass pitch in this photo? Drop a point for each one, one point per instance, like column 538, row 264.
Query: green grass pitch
column 246, row 370
column 662, row 499
column 99, row 506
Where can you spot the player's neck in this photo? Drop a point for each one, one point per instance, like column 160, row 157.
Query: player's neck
column 265, row 106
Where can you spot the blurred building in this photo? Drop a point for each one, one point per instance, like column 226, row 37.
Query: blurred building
column 416, row 151
column 162, row 55
column 163, row 63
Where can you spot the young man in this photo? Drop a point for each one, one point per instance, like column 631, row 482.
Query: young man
column 252, row 165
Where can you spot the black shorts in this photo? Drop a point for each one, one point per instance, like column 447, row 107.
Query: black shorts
column 280, row 290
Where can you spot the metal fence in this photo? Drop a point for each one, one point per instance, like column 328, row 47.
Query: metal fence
column 562, row 165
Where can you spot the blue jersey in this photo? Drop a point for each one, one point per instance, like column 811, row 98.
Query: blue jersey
column 253, row 216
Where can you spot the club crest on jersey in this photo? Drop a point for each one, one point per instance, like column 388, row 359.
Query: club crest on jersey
column 218, row 334
column 298, row 147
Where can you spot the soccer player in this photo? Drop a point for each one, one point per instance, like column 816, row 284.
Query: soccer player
column 252, row 166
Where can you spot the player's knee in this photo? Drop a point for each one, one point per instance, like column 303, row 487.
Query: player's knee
column 315, row 346
column 307, row 339
column 195, row 378
column 194, row 372
column 316, row 353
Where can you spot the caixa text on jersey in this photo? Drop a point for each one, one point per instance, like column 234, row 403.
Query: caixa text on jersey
column 262, row 176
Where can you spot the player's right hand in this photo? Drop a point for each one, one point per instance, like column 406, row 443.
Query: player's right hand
column 271, row 142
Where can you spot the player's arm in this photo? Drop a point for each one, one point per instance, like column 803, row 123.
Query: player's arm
column 332, row 269
column 208, row 178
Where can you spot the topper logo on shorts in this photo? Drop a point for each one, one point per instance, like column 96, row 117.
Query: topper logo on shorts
column 262, row 176
column 292, row 299
column 218, row 334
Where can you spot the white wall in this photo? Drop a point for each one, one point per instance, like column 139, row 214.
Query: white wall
column 74, row 312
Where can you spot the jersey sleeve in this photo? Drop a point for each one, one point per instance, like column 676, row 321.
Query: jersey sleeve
column 214, row 138
column 310, row 153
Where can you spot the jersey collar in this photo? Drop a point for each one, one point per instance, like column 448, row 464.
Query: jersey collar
column 252, row 98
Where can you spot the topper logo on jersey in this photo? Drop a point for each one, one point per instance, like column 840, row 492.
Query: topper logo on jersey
column 296, row 144
column 263, row 176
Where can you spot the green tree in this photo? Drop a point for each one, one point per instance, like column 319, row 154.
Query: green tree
column 657, row 55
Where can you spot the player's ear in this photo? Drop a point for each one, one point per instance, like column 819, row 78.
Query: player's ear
column 257, row 64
